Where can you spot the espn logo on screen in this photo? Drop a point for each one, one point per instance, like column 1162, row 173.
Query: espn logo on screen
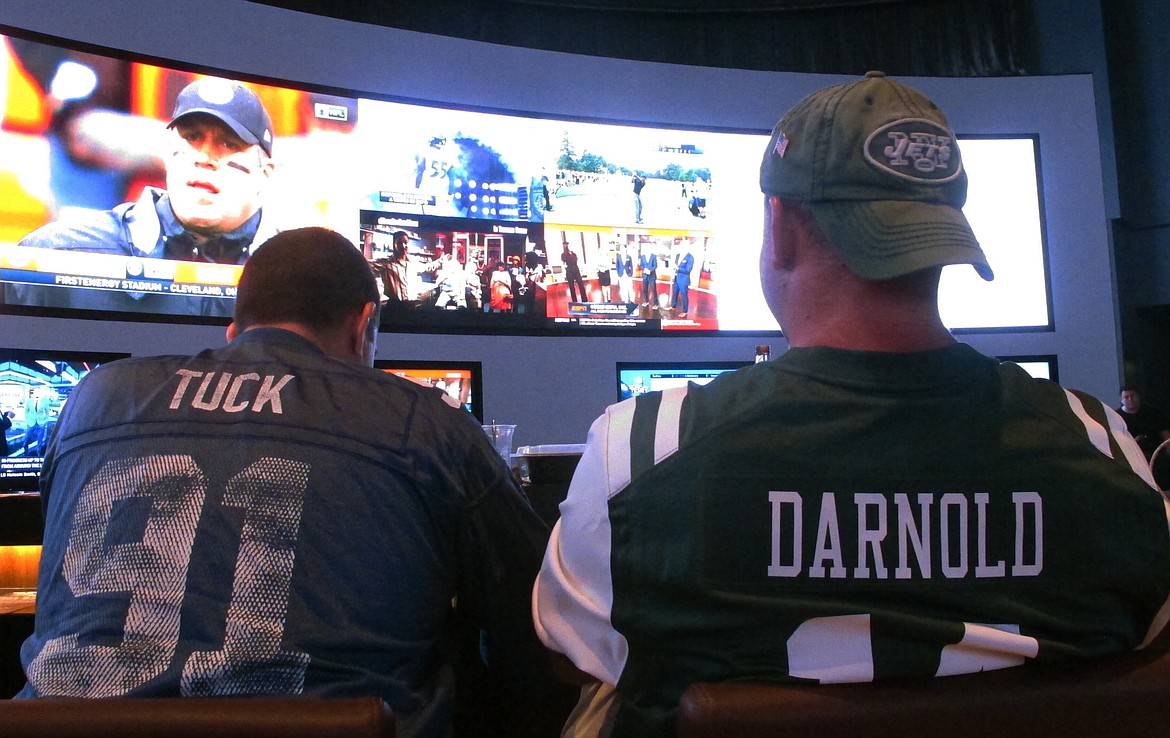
column 338, row 113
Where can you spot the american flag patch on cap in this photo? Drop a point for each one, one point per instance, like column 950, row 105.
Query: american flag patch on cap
column 781, row 145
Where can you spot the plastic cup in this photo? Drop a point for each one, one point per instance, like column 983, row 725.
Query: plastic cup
column 501, row 439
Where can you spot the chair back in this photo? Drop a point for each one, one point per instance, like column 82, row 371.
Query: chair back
column 197, row 717
column 1128, row 696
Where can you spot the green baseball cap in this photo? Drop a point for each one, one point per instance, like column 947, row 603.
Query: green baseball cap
column 878, row 165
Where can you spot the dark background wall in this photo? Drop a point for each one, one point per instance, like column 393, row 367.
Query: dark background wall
column 1119, row 42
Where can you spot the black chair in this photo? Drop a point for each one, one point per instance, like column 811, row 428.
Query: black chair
column 197, row 717
column 1120, row 698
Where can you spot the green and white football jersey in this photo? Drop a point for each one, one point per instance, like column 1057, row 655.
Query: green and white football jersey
column 841, row 516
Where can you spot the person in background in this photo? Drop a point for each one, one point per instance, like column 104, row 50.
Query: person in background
column 97, row 149
column 1150, row 428
column 5, row 425
column 277, row 517
column 501, row 289
column 474, row 268
column 680, row 293
column 625, row 272
column 524, row 290
column 450, row 281
column 638, row 182
column 605, row 285
column 577, row 290
column 395, row 275
column 648, row 262
column 1147, row 424
column 36, row 414
column 879, row 501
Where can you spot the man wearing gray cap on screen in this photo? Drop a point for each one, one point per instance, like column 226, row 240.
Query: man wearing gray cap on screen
column 880, row 501
column 218, row 159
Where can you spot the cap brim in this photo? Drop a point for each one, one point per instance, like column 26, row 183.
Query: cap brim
column 244, row 134
column 883, row 239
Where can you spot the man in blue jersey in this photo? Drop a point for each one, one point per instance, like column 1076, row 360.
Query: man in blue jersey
column 878, row 502
column 278, row 517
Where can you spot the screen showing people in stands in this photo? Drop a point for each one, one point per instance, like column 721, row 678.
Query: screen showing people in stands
column 34, row 387
column 460, row 381
column 636, row 378
column 472, row 221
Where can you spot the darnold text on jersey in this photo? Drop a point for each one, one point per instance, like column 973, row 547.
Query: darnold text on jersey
column 940, row 540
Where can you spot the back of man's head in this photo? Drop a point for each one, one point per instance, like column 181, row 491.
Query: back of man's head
column 878, row 166
column 311, row 277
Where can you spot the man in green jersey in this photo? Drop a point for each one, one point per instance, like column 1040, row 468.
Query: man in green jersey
column 880, row 501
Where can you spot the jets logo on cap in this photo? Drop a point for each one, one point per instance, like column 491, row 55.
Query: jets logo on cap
column 915, row 149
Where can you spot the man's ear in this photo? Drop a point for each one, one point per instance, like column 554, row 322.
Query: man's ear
column 771, row 258
column 787, row 234
column 363, row 331
column 231, row 332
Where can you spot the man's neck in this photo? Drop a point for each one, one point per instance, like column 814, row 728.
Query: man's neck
column 334, row 343
column 839, row 310
column 902, row 337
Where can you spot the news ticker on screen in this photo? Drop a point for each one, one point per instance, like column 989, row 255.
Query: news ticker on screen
column 112, row 272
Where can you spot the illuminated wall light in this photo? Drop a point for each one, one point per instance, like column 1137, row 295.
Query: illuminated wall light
column 18, row 566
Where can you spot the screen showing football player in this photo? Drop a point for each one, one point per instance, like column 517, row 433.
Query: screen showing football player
column 218, row 156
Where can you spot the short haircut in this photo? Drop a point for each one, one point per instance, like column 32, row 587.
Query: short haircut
column 310, row 276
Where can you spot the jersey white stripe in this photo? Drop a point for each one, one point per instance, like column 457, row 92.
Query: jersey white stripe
column 572, row 599
column 1131, row 449
column 986, row 648
column 666, row 429
column 1097, row 433
column 832, row 649
column 617, row 452
column 1137, row 462
column 1163, row 616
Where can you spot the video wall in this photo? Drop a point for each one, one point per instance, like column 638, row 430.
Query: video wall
column 472, row 221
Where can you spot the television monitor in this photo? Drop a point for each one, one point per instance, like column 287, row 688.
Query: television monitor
column 461, row 381
column 635, row 378
column 34, row 387
column 84, row 131
column 1040, row 366
column 473, row 220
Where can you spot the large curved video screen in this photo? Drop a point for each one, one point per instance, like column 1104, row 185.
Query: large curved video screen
column 472, row 221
